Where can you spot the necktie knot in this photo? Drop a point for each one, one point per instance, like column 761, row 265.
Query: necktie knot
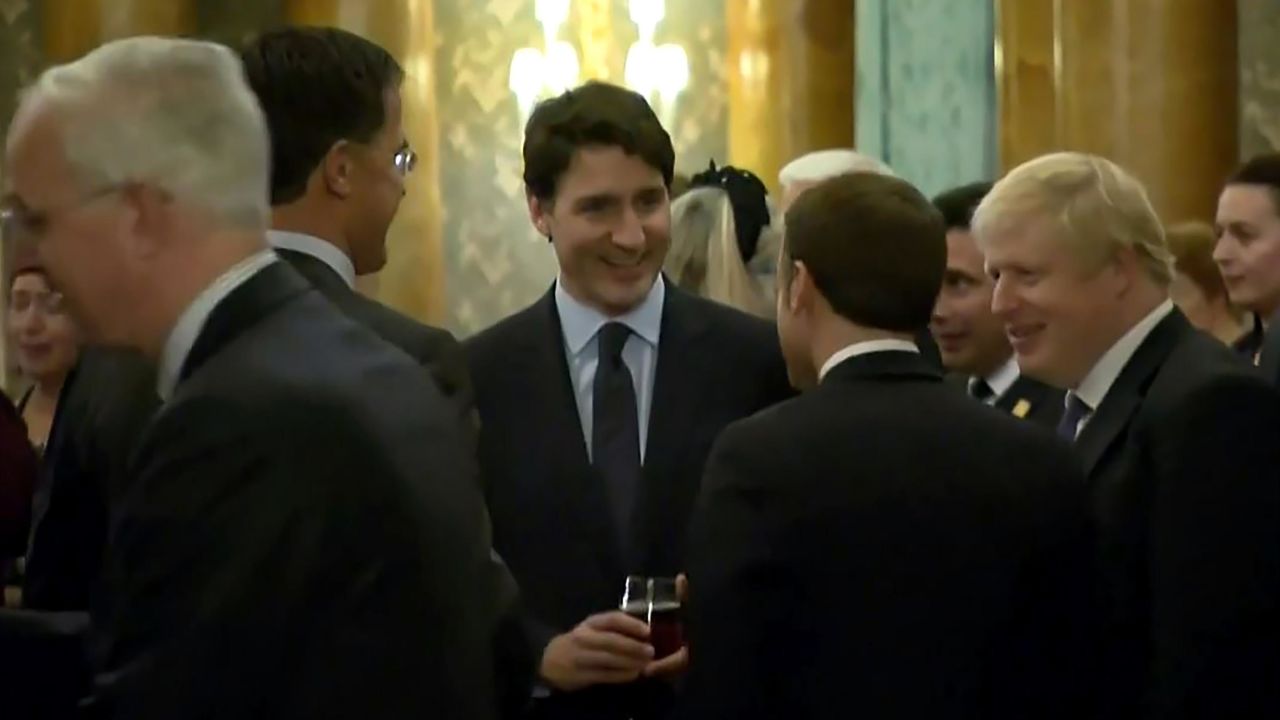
column 1076, row 411
column 980, row 389
column 613, row 337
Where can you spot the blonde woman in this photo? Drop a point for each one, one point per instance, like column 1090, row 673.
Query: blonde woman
column 724, row 244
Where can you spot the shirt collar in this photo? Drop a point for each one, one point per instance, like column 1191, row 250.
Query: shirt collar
column 1095, row 386
column 866, row 347
column 322, row 250
column 1004, row 377
column 580, row 322
column 184, row 333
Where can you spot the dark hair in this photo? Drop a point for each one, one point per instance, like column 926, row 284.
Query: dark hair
column 317, row 86
column 876, row 249
column 596, row 113
column 958, row 203
column 1262, row 170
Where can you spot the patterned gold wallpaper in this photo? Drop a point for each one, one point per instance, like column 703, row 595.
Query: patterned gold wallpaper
column 1259, row 76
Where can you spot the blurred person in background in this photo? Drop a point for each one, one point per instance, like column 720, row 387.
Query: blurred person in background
column 1248, row 247
column 46, row 343
column 724, row 245
column 813, row 168
column 1197, row 288
column 970, row 336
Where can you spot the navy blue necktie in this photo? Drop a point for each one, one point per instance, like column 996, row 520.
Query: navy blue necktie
column 980, row 390
column 615, row 429
column 1076, row 411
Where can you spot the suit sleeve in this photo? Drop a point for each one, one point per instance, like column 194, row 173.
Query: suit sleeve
column 444, row 358
column 1050, row 670
column 738, row 592
column 1214, row 554
column 205, row 552
column 228, row 548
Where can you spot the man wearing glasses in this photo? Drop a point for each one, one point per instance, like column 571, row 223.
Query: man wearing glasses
column 339, row 159
column 301, row 535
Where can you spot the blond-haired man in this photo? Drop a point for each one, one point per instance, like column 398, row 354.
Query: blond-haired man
column 1180, row 442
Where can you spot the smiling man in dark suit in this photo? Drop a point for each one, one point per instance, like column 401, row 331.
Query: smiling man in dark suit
column 970, row 337
column 1180, row 440
column 599, row 402
column 301, row 535
column 881, row 546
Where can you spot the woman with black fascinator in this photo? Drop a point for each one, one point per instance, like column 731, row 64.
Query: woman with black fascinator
column 724, row 240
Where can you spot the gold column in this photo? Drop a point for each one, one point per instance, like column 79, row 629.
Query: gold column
column 311, row 12
column 1026, row 75
column 414, row 279
column 1150, row 84
column 74, row 27
column 821, row 76
column 790, row 69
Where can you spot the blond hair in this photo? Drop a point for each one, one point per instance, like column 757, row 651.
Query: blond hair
column 704, row 257
column 1092, row 204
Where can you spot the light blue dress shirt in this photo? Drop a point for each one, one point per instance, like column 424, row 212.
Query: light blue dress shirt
column 581, row 325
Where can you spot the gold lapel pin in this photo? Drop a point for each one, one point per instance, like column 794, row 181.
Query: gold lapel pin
column 1021, row 408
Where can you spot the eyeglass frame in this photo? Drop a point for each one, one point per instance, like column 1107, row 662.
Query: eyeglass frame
column 33, row 224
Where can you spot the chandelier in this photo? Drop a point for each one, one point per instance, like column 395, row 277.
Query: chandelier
column 658, row 72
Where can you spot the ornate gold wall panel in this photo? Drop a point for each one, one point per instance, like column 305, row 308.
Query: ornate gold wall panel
column 1150, row 84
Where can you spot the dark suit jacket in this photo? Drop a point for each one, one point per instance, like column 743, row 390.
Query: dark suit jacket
column 1269, row 352
column 1182, row 456
column 434, row 348
column 441, row 355
column 106, row 402
column 303, row 536
column 17, row 478
column 549, row 509
column 1032, row 400
column 884, row 547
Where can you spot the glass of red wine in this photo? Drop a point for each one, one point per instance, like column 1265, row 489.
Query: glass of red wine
column 654, row 601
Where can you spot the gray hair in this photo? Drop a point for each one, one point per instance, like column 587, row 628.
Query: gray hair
column 826, row 164
column 175, row 114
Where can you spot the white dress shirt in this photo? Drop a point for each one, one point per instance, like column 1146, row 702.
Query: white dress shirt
column 1097, row 383
column 1000, row 381
column 185, row 331
column 581, row 323
column 322, row 250
column 866, row 347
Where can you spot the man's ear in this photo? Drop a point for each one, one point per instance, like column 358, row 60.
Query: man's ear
column 539, row 213
column 800, row 293
column 336, row 168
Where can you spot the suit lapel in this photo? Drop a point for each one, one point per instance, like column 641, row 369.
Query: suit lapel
column 243, row 308
column 678, row 381
column 679, row 386
column 1109, row 421
column 320, row 276
column 562, row 434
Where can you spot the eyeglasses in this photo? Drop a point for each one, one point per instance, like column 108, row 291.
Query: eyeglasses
column 48, row 303
column 19, row 222
column 406, row 159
